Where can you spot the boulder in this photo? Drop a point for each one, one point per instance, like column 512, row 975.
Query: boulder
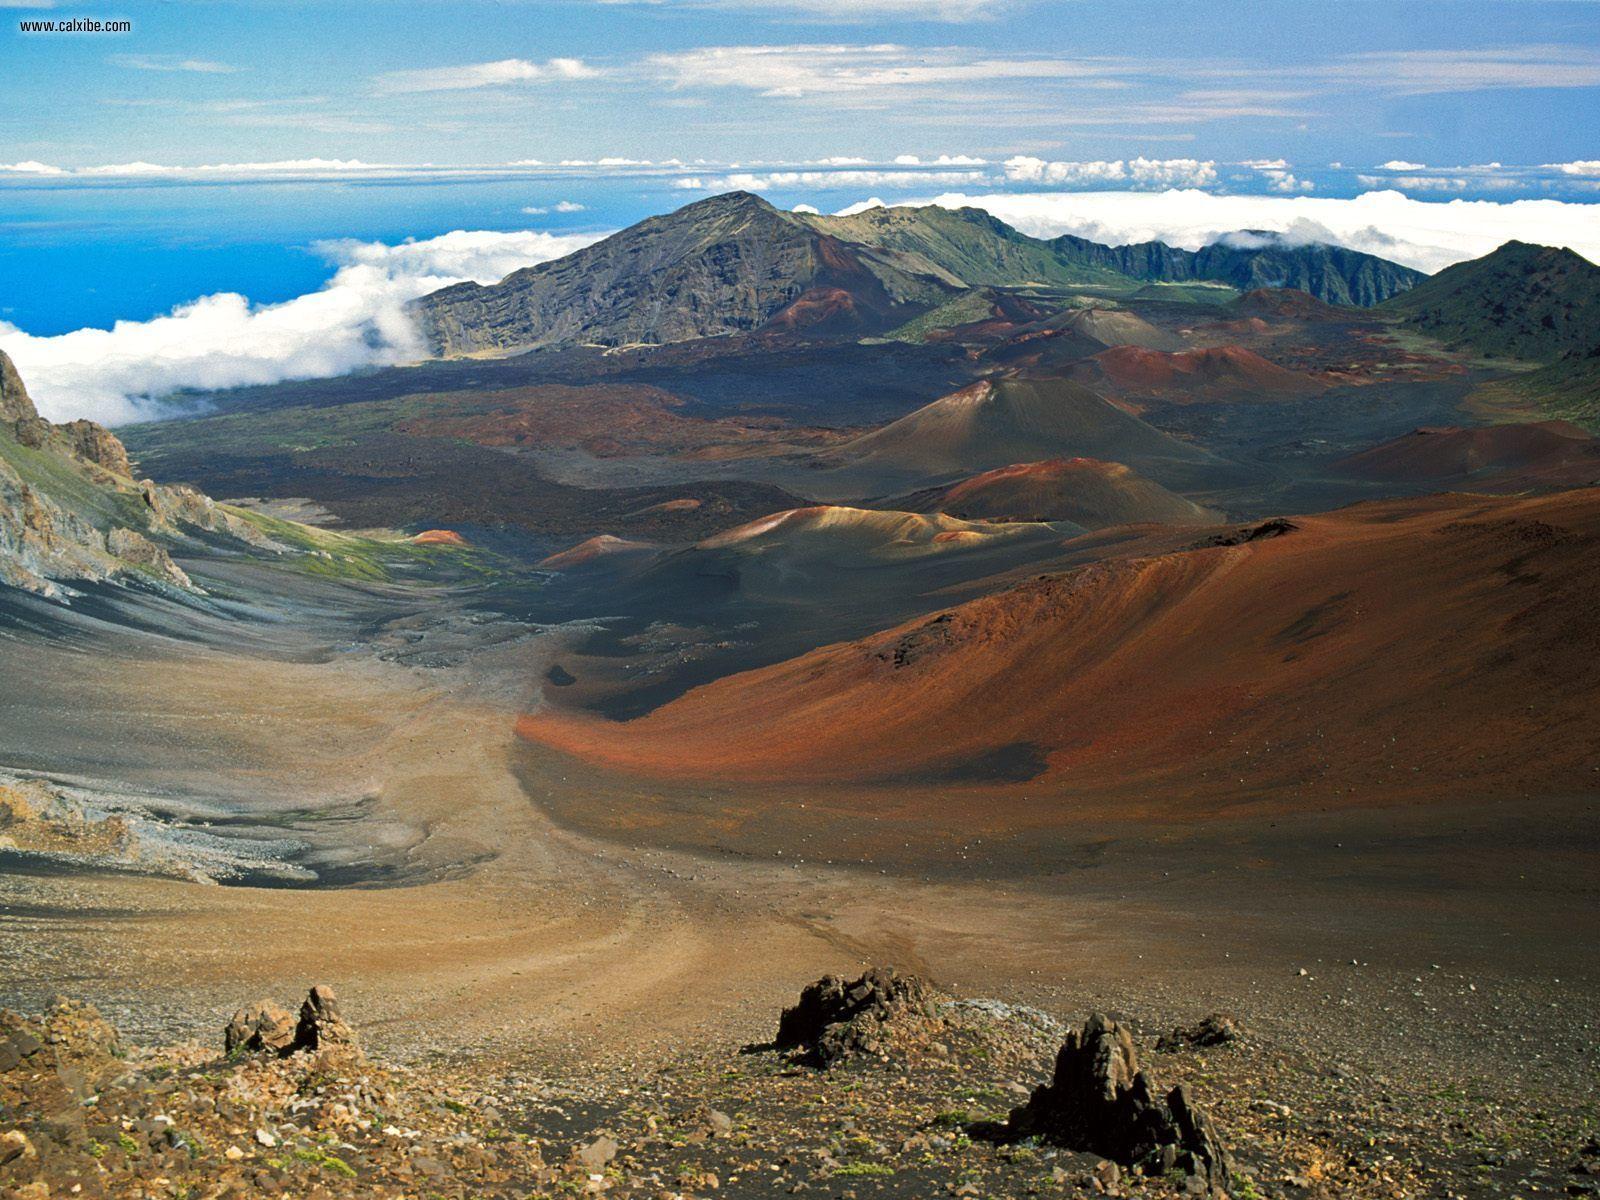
column 260, row 1027
column 322, row 1026
column 1214, row 1029
column 837, row 1020
column 1099, row 1101
column 264, row 1027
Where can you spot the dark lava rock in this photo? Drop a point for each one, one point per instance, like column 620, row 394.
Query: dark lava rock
column 1101, row 1102
column 322, row 1025
column 264, row 1027
column 836, row 1020
column 1275, row 528
column 1216, row 1029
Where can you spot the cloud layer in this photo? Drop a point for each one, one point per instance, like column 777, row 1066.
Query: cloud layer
column 357, row 319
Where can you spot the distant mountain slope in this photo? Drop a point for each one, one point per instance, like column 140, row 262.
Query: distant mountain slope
column 724, row 265
column 1253, row 260
column 1567, row 389
column 1085, row 491
column 965, row 246
column 735, row 264
column 1520, row 301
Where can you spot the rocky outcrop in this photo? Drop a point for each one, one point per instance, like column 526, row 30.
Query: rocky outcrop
column 836, row 1020
column 96, row 444
column 72, row 513
column 1099, row 1101
column 15, row 403
column 135, row 550
column 267, row 1028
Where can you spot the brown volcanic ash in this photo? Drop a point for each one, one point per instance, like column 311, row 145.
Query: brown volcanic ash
column 1435, row 648
column 1504, row 457
column 1085, row 491
column 1222, row 372
column 994, row 424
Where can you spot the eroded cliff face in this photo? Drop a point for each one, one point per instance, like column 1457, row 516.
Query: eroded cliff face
column 72, row 511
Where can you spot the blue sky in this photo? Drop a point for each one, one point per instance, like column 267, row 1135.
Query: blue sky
column 1445, row 85
column 250, row 148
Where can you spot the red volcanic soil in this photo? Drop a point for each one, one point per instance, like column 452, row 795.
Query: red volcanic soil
column 439, row 537
column 1535, row 454
column 595, row 549
column 1437, row 648
column 818, row 310
column 1085, row 491
column 1222, row 372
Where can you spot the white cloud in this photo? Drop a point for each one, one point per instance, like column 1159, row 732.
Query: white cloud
column 851, row 210
column 1287, row 181
column 29, row 167
column 357, row 319
column 169, row 62
column 1265, row 164
column 864, row 10
column 1415, row 183
column 1590, row 166
column 560, row 206
column 836, row 72
column 1426, row 234
column 766, row 181
column 478, row 75
column 1141, row 172
column 1425, row 72
column 1400, row 164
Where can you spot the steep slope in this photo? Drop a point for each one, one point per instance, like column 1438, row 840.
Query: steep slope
column 724, row 265
column 1543, row 453
column 1252, row 260
column 1381, row 652
column 997, row 423
column 1085, row 491
column 70, row 510
column 1520, row 301
column 966, row 247
column 1189, row 376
